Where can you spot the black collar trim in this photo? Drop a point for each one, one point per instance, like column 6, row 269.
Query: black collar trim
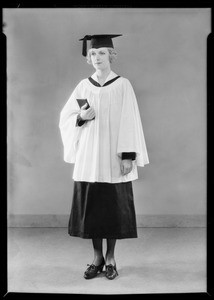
column 107, row 83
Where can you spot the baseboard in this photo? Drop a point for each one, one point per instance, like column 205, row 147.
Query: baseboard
column 142, row 220
column 171, row 220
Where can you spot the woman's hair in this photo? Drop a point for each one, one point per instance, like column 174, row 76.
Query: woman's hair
column 112, row 55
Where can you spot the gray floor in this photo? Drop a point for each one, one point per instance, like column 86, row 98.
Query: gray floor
column 160, row 260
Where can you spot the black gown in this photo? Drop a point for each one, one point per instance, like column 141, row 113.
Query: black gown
column 102, row 210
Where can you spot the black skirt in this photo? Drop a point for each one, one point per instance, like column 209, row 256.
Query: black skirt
column 102, row 210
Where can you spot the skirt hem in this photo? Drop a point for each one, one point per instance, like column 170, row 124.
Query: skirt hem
column 115, row 236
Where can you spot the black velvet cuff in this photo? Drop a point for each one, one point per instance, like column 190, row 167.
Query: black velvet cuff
column 129, row 155
column 80, row 121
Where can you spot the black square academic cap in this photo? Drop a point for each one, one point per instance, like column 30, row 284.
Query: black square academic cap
column 98, row 41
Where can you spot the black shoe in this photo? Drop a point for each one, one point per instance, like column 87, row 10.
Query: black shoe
column 111, row 272
column 93, row 270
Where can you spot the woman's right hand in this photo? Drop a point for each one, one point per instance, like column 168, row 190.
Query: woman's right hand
column 87, row 114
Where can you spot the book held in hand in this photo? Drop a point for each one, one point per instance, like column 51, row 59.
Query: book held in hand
column 82, row 102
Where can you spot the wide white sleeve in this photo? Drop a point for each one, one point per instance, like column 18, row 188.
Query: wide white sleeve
column 131, row 136
column 70, row 133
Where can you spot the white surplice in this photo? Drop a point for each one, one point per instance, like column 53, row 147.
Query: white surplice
column 96, row 147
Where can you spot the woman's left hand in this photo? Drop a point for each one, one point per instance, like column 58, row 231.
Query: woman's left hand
column 126, row 166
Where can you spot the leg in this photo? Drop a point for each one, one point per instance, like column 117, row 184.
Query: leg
column 110, row 251
column 98, row 251
column 98, row 262
column 111, row 270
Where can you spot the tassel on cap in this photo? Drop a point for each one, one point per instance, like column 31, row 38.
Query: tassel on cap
column 84, row 45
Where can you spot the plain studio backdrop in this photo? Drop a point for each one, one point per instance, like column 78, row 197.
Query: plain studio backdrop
column 163, row 53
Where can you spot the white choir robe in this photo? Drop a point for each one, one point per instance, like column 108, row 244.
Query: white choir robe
column 96, row 147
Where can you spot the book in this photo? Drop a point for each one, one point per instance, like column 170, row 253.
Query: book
column 82, row 102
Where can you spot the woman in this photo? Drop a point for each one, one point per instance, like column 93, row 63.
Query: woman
column 105, row 141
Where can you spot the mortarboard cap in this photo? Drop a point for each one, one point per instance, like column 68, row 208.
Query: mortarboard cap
column 98, row 41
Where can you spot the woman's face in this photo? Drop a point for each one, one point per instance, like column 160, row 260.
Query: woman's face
column 100, row 58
